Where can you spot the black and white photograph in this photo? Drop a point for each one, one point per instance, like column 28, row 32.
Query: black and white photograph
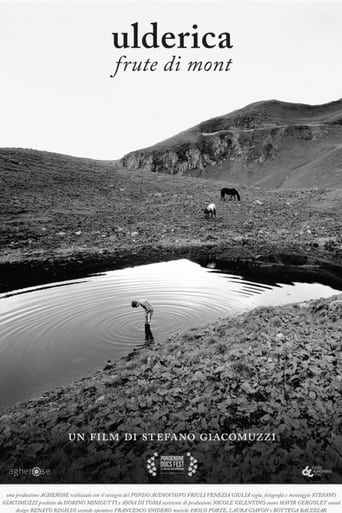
column 171, row 246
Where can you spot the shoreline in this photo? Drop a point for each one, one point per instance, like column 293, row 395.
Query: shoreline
column 272, row 369
column 243, row 255
column 224, row 377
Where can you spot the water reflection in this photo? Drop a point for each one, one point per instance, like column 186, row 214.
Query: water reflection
column 53, row 334
column 148, row 333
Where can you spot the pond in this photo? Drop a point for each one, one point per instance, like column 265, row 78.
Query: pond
column 53, row 334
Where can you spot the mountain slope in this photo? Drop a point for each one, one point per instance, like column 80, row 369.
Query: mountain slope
column 269, row 143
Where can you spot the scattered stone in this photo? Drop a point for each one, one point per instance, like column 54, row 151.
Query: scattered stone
column 189, row 384
column 335, row 305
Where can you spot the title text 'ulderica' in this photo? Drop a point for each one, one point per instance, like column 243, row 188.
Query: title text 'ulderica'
column 136, row 38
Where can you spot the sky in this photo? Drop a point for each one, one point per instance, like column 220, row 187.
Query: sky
column 56, row 58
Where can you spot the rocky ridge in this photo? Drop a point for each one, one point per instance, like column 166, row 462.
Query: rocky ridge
column 272, row 143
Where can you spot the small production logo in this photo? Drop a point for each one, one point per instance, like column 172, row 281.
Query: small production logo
column 315, row 471
column 34, row 471
column 172, row 464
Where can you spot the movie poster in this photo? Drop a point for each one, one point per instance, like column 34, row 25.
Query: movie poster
column 170, row 302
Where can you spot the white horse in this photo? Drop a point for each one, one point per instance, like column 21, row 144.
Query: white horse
column 210, row 210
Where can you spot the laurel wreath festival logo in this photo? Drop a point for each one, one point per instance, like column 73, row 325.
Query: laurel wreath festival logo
column 171, row 464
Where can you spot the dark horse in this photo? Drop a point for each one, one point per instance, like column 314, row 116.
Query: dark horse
column 230, row 192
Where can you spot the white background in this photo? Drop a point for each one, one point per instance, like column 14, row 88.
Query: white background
column 56, row 58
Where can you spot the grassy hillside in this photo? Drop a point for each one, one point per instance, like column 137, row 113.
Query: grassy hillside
column 263, row 114
column 274, row 113
column 272, row 370
column 56, row 206
column 269, row 144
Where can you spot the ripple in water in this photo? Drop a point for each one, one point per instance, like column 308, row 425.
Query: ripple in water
column 53, row 334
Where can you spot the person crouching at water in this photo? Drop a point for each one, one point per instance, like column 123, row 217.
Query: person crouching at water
column 146, row 306
column 148, row 316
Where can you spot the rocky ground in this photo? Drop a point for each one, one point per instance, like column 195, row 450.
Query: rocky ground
column 272, row 370
column 269, row 371
column 63, row 215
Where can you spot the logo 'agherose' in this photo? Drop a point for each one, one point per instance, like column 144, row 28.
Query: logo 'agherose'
column 172, row 464
column 35, row 471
